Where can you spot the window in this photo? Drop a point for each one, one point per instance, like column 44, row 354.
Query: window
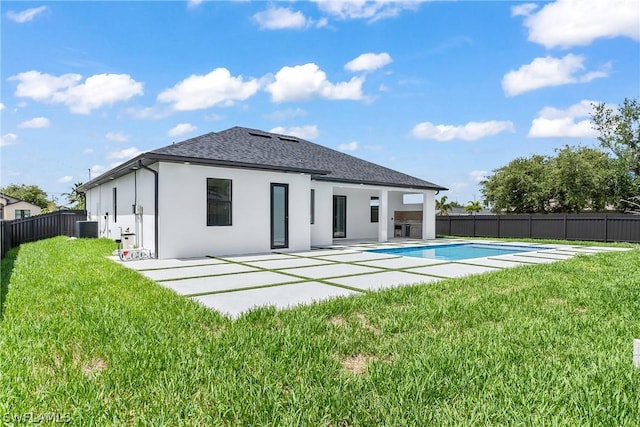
column 218, row 202
column 23, row 213
column 115, row 204
column 313, row 206
column 375, row 209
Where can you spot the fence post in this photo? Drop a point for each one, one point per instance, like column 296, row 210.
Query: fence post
column 474, row 226
column 530, row 230
column 564, row 225
column 498, row 219
column 606, row 228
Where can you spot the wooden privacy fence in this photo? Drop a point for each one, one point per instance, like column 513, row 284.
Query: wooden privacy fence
column 596, row 227
column 60, row 223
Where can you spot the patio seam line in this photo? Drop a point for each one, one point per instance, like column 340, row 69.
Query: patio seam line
column 329, row 262
column 324, row 279
column 537, row 255
column 174, row 267
column 248, row 288
column 296, row 276
column 201, row 276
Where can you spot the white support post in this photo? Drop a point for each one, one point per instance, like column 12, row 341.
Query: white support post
column 429, row 216
column 383, row 216
column 636, row 353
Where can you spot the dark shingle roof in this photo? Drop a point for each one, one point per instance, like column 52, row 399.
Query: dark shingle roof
column 250, row 147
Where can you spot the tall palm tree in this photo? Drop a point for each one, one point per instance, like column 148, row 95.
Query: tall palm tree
column 442, row 207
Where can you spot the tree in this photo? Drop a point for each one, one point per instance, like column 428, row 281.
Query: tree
column 620, row 132
column 28, row 193
column 442, row 206
column 473, row 207
column 519, row 187
column 75, row 197
column 575, row 179
column 582, row 178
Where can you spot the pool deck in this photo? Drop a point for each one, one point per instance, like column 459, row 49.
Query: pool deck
column 234, row 285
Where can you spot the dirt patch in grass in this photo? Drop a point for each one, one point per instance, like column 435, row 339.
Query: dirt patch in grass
column 338, row 321
column 94, row 366
column 581, row 310
column 367, row 324
column 356, row 364
column 557, row 301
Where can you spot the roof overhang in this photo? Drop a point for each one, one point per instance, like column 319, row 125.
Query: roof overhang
column 379, row 184
column 147, row 159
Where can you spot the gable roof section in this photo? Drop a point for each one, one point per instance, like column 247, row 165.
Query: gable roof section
column 245, row 147
column 10, row 200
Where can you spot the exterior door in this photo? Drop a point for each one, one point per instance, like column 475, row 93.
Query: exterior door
column 279, row 216
column 339, row 216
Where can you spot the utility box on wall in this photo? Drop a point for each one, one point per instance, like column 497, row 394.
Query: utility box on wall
column 86, row 229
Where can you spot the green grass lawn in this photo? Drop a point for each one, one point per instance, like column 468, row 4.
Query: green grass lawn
column 89, row 339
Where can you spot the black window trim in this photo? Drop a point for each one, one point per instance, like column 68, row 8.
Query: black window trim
column 374, row 218
column 229, row 202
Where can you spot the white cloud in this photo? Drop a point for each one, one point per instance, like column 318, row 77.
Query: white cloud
column 97, row 90
column 369, row 62
column 125, row 154
column 476, row 176
column 2, row 107
column 363, row 9
column 117, row 136
column 548, row 71
column 181, row 129
column 8, row 139
column 303, row 82
column 567, row 23
column 191, row 4
column 87, row 150
column 197, row 92
column 96, row 170
column 65, row 179
column 574, row 122
column 350, row 146
column 304, row 132
column 279, row 18
column 36, row 122
column 523, row 9
column 26, row 15
column 469, row 132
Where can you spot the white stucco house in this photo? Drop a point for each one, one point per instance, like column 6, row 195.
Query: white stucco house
column 242, row 191
column 12, row 208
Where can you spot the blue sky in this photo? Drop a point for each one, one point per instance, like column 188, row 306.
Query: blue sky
column 445, row 91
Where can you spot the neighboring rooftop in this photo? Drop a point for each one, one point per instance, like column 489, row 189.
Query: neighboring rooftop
column 9, row 200
column 248, row 147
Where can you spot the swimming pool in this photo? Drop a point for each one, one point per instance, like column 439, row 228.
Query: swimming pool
column 458, row 251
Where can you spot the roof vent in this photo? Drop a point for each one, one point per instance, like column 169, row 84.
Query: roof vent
column 263, row 135
column 288, row 138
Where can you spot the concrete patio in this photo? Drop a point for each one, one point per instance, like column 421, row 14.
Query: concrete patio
column 234, row 285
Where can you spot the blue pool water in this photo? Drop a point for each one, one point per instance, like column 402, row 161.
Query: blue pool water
column 458, row 251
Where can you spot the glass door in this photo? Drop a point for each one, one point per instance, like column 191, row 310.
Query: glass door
column 339, row 216
column 279, row 216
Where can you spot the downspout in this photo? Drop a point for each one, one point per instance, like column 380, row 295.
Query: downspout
column 156, row 203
